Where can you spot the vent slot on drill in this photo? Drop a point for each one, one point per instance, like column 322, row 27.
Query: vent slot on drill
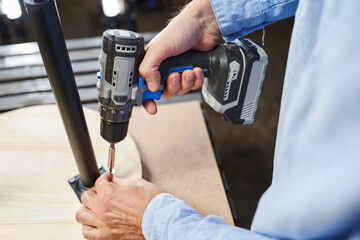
column 130, row 80
column 121, row 99
column 125, row 48
column 232, row 76
column 114, row 78
column 247, row 110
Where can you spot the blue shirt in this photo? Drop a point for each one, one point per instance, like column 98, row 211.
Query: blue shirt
column 315, row 192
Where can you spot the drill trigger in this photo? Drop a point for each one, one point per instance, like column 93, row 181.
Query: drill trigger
column 151, row 95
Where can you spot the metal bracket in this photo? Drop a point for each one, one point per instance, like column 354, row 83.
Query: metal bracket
column 77, row 185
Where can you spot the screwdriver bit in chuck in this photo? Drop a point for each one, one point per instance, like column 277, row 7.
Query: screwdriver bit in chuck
column 111, row 159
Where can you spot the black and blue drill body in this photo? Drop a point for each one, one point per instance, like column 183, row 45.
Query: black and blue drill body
column 233, row 72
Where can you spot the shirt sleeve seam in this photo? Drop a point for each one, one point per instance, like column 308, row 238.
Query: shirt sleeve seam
column 260, row 10
column 272, row 6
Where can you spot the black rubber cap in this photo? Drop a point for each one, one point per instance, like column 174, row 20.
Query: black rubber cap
column 113, row 132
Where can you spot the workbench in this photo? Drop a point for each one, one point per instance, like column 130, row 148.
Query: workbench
column 177, row 155
column 175, row 147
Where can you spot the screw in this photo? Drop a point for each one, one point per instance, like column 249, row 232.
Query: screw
column 72, row 180
column 99, row 165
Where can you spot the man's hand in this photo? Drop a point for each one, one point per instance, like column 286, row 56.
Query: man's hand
column 195, row 27
column 114, row 210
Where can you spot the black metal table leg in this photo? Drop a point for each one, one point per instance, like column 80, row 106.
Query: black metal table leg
column 50, row 38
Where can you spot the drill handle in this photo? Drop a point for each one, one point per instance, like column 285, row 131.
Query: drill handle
column 188, row 60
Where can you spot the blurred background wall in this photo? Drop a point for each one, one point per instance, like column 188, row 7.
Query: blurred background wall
column 246, row 151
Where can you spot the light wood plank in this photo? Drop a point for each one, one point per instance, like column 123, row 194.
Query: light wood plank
column 42, row 85
column 26, row 72
column 32, row 47
column 36, row 60
column 36, row 202
column 73, row 44
column 37, row 98
column 177, row 155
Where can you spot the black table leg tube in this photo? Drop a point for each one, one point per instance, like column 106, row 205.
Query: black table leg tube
column 50, row 38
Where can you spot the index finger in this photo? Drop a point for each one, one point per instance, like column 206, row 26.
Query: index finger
column 88, row 198
column 150, row 106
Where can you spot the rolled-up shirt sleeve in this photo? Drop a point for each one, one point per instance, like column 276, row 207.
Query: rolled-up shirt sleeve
column 167, row 217
column 237, row 18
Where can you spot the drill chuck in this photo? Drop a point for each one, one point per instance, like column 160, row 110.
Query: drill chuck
column 113, row 132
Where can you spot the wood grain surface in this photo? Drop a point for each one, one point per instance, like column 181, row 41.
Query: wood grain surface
column 177, row 155
column 35, row 199
column 36, row 202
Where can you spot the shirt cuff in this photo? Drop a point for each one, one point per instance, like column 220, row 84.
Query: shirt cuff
column 238, row 18
column 155, row 220
column 234, row 16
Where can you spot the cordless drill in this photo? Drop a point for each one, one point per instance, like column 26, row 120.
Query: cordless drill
column 233, row 72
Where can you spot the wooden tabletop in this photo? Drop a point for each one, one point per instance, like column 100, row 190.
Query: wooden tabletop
column 36, row 201
column 177, row 155
column 175, row 151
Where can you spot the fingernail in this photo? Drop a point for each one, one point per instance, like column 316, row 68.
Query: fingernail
column 198, row 74
column 188, row 78
column 176, row 80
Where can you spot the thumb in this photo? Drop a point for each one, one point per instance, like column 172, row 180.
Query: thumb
column 155, row 54
column 117, row 180
column 103, row 180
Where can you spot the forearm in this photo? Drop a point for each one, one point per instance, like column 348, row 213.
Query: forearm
column 238, row 18
column 167, row 217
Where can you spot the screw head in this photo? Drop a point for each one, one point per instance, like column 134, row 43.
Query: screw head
column 72, row 180
column 99, row 165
